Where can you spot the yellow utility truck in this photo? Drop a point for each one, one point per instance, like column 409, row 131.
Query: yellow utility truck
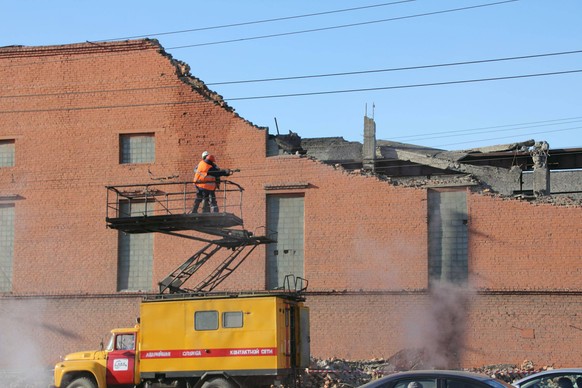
column 190, row 341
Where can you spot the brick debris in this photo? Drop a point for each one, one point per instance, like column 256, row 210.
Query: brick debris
column 341, row 373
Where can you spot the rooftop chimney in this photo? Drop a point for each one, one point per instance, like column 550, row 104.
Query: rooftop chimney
column 369, row 148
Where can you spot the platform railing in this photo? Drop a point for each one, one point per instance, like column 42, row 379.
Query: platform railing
column 169, row 198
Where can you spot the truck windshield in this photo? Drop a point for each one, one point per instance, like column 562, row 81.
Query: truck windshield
column 110, row 342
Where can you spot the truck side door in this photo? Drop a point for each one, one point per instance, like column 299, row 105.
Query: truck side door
column 121, row 360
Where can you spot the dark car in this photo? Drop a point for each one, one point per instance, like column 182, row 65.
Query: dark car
column 437, row 379
column 553, row 378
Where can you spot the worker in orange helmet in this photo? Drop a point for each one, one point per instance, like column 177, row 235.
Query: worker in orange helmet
column 205, row 180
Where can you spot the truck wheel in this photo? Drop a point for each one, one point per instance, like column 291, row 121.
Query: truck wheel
column 218, row 382
column 82, row 382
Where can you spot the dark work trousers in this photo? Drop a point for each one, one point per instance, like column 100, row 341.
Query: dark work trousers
column 208, row 198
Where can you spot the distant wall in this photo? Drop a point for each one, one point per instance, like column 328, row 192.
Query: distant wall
column 560, row 182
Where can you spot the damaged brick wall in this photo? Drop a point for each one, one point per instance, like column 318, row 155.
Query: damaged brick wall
column 361, row 234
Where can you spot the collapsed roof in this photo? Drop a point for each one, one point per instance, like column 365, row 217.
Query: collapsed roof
column 516, row 169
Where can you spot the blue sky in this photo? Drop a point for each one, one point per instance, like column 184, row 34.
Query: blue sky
column 383, row 35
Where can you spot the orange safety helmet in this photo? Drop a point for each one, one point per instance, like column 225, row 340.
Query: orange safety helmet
column 211, row 158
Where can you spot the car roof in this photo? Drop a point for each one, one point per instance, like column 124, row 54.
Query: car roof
column 436, row 373
column 549, row 372
column 440, row 372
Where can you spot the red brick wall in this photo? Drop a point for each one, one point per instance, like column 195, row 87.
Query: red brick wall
column 492, row 328
column 517, row 245
column 361, row 233
column 374, row 233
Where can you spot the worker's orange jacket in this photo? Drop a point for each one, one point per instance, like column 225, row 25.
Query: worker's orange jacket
column 202, row 179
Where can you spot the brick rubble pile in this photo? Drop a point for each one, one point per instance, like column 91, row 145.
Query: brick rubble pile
column 340, row 373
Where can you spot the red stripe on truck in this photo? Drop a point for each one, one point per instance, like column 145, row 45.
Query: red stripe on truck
column 196, row 353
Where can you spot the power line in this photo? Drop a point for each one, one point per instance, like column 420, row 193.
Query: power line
column 313, row 76
column 398, row 68
column 464, row 132
column 403, row 86
column 498, row 130
column 507, row 137
column 340, row 26
column 146, row 88
column 58, row 51
column 521, row 57
column 259, row 21
column 302, row 94
column 257, row 172
column 252, row 171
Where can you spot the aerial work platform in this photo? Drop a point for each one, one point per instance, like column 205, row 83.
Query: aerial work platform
column 166, row 208
column 160, row 207
column 174, row 222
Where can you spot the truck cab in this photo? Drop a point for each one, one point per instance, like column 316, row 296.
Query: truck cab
column 114, row 365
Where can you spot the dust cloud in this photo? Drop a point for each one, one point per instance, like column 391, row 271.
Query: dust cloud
column 437, row 331
column 20, row 358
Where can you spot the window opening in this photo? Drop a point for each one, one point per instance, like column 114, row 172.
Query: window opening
column 6, row 246
column 7, row 153
column 125, row 342
column 448, row 237
column 206, row 320
column 286, row 220
column 137, row 148
column 135, row 254
column 416, row 383
column 232, row 319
